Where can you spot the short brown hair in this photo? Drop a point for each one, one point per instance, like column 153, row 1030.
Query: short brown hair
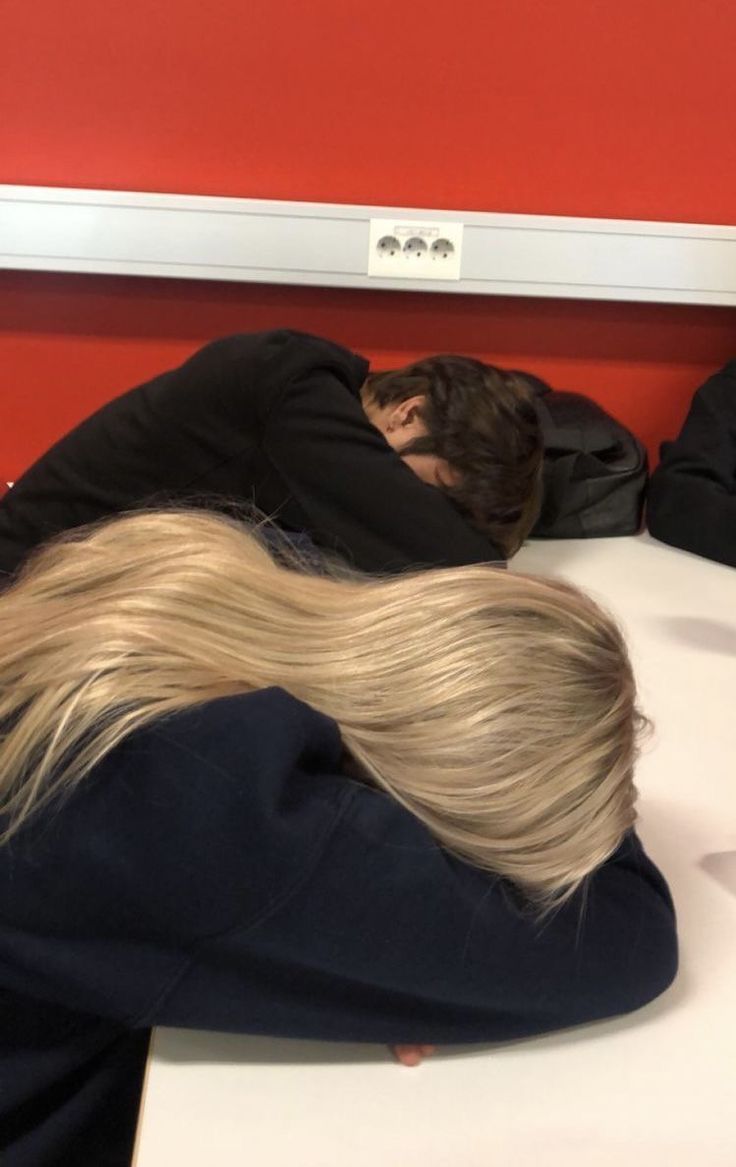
column 482, row 421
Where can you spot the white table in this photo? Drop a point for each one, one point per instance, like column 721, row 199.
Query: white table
column 657, row 1088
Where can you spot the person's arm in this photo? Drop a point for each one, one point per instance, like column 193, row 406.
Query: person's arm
column 243, row 884
column 360, row 499
column 417, row 952
column 692, row 493
column 354, row 924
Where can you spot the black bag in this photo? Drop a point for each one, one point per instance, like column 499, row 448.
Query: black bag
column 595, row 470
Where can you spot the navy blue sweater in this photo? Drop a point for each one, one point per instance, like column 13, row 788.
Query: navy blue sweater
column 218, row 871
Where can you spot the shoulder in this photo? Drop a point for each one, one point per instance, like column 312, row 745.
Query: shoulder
column 195, row 823
column 267, row 722
column 286, row 351
column 240, row 763
column 716, row 398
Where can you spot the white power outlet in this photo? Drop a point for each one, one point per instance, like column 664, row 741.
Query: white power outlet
column 404, row 249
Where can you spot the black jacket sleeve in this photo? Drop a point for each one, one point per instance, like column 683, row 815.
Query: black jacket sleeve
column 692, row 494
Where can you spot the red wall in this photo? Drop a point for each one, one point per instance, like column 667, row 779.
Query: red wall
column 579, row 108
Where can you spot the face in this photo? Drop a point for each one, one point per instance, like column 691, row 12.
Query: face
column 400, row 425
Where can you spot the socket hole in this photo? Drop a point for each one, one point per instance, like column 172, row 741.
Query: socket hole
column 442, row 248
column 388, row 245
column 415, row 245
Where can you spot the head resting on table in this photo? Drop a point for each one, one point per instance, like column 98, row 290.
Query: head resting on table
column 500, row 709
column 472, row 430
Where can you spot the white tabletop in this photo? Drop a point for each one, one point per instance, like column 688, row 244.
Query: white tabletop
column 655, row 1088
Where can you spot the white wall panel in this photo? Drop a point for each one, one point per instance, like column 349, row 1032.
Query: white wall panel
column 197, row 237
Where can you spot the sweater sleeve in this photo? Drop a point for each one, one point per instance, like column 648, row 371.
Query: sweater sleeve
column 692, row 493
column 360, row 499
column 391, row 940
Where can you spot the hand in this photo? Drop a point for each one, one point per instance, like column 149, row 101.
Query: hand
column 412, row 1055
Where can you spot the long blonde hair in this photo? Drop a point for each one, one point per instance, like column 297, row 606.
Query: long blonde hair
column 498, row 708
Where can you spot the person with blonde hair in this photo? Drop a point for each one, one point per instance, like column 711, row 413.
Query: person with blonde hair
column 240, row 797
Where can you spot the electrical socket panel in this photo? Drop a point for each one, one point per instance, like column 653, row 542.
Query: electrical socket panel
column 407, row 249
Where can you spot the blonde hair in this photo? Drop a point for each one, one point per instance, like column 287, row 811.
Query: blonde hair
column 498, row 708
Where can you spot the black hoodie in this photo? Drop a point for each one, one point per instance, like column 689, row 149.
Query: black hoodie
column 692, row 493
column 270, row 420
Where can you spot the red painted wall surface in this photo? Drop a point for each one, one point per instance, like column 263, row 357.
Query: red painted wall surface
column 577, row 108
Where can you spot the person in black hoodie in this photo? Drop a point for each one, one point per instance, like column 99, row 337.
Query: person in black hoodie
column 241, row 798
column 692, row 493
column 435, row 464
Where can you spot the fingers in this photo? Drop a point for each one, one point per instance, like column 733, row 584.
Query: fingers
column 412, row 1055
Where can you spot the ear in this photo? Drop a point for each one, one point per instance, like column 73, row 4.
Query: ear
column 406, row 412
